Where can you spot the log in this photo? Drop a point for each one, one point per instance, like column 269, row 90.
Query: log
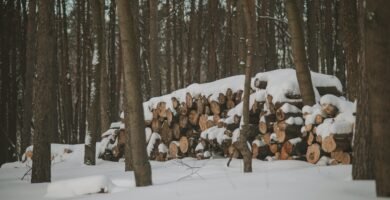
column 267, row 138
column 193, row 117
column 330, row 110
column 173, row 150
column 313, row 153
column 200, row 106
column 215, row 108
column 260, row 84
column 337, row 142
column 216, row 118
column 311, row 138
column 266, row 123
column 169, row 116
column 261, row 151
column 229, row 94
column 286, row 131
column 189, row 102
column 175, row 103
column 329, row 90
column 238, row 97
column 183, row 121
column 183, row 143
column 183, row 109
column 156, row 125
column 232, row 127
column 166, row 133
column 341, row 157
column 283, row 115
column 203, row 122
column 162, row 109
column 176, row 131
column 230, row 104
column 221, row 99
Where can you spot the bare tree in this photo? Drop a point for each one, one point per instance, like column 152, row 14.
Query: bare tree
column 134, row 110
column 153, row 50
column 376, row 47
column 44, row 98
column 248, row 8
column 299, row 54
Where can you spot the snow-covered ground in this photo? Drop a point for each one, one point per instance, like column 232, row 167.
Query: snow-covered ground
column 184, row 179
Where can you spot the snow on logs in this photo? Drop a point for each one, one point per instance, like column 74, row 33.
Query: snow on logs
column 203, row 120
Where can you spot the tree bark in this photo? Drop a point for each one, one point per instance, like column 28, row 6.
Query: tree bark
column 44, row 98
column 99, row 21
column 25, row 139
column 212, row 43
column 312, row 34
column 299, row 54
column 134, row 111
column 377, row 50
column 153, row 50
column 248, row 8
column 198, row 43
column 351, row 45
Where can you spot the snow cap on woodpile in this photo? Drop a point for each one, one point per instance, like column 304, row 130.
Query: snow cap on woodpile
column 284, row 81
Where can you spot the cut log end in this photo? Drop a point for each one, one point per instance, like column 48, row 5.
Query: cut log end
column 313, row 153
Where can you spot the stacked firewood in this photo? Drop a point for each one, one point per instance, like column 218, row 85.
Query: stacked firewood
column 190, row 129
column 320, row 134
column 205, row 126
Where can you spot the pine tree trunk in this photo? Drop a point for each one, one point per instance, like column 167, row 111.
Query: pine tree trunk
column 153, row 50
column 271, row 48
column 25, row 139
column 312, row 34
column 44, row 98
column 329, row 32
column 351, row 45
column 112, row 66
column 190, row 41
column 99, row 21
column 299, row 54
column 248, row 8
column 198, row 44
column 134, row 111
column 212, row 42
column 168, row 48
column 377, row 50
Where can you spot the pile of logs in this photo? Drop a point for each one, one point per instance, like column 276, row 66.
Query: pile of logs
column 180, row 129
column 200, row 127
column 316, row 136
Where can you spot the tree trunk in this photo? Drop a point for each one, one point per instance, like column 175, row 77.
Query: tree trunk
column 328, row 34
column 134, row 111
column 99, row 21
column 248, row 8
column 271, row 47
column 112, row 66
column 190, row 40
column 25, row 139
column 198, row 44
column 351, row 45
column 312, row 34
column 95, row 111
column 44, row 94
column 212, row 43
column 377, row 50
column 153, row 50
column 168, row 48
column 299, row 54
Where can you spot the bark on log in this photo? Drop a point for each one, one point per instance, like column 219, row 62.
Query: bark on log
column 266, row 123
column 337, row 142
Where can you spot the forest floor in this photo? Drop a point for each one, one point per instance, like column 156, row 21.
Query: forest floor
column 184, row 179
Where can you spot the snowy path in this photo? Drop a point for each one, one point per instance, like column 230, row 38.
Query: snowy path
column 208, row 179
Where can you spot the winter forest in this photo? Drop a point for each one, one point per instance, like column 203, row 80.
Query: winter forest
column 194, row 99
